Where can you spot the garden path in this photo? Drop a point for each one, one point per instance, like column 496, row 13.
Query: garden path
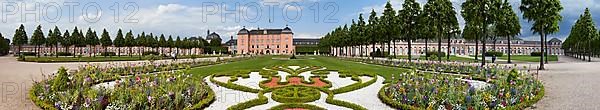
column 570, row 84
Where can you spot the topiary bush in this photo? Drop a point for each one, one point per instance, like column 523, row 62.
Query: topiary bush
column 492, row 53
column 431, row 53
column 380, row 54
column 537, row 54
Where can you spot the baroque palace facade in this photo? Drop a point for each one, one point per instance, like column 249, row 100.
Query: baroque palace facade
column 458, row 47
column 265, row 41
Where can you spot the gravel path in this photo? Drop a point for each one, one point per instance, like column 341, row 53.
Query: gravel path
column 570, row 85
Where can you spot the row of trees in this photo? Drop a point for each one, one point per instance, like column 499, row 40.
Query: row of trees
column 485, row 20
column 4, row 45
column 584, row 39
column 90, row 40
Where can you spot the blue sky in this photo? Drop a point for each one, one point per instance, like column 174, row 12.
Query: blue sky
column 187, row 18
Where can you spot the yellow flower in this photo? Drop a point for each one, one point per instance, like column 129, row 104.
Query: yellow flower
column 508, row 94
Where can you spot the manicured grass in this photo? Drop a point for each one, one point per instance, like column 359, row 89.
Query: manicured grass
column 328, row 62
column 51, row 59
column 528, row 58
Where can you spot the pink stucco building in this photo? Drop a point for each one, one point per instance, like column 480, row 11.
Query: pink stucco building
column 265, row 41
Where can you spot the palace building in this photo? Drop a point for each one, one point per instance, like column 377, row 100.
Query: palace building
column 265, row 41
column 458, row 47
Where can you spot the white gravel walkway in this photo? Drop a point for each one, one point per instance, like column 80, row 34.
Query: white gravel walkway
column 366, row 97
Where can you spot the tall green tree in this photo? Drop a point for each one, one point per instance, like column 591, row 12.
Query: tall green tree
column 129, row 42
column 409, row 29
column 178, row 45
column 4, row 45
column 373, row 30
column 119, row 42
column 441, row 17
column 38, row 39
column 50, row 41
column 389, row 24
column 55, row 38
column 545, row 14
column 66, row 41
column 508, row 26
column 362, row 38
column 92, row 41
column 170, row 43
column 20, row 38
column 78, row 40
column 105, row 41
column 162, row 43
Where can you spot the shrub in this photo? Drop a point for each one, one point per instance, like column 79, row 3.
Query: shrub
column 149, row 53
column 108, row 54
column 355, row 86
column 286, row 106
column 492, row 53
column 61, row 80
column 430, row 53
column 293, row 57
column 332, row 101
column 251, row 103
column 28, row 53
column 64, row 54
column 378, row 53
column 292, row 94
column 537, row 54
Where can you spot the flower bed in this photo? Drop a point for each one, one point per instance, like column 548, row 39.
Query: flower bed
column 135, row 92
column 510, row 89
column 136, row 86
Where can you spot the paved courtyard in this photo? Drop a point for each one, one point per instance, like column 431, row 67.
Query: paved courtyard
column 570, row 83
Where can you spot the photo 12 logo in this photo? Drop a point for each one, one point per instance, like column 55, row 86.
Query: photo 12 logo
column 54, row 12
column 127, row 12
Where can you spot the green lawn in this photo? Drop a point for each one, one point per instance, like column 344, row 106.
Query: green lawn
column 50, row 59
column 328, row 62
column 528, row 58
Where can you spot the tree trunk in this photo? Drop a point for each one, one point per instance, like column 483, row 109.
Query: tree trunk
column 56, row 51
column 118, row 51
column 483, row 41
column 129, row 53
column 509, row 49
column 448, row 48
column 409, row 51
column 476, row 48
column 542, row 35
column 74, row 50
column 439, row 48
column 546, row 47
column 372, row 52
column 426, row 48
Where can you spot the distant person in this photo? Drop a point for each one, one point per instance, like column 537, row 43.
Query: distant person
column 494, row 58
column 173, row 55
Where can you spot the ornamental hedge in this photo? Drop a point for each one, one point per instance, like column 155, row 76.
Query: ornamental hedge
column 251, row 103
column 287, row 106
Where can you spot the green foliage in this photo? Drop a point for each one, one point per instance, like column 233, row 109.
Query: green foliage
column 64, row 54
column 287, row 106
column 379, row 53
column 4, row 45
column 492, row 53
column 20, row 37
column 251, row 103
column 108, row 54
column 537, row 54
column 295, row 94
column 105, row 39
column 60, row 82
column 436, row 54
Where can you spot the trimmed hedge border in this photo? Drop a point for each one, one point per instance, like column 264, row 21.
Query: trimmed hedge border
column 286, row 99
column 204, row 102
column 231, row 85
column 342, row 103
column 296, row 105
column 251, row 103
column 392, row 103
